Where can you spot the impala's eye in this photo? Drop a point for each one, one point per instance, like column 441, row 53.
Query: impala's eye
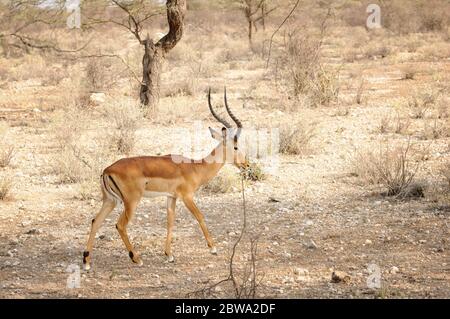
column 235, row 148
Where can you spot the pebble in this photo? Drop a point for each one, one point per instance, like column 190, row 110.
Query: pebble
column 311, row 244
column 309, row 222
column 340, row 276
column 301, row 271
column 394, row 270
column 368, row 242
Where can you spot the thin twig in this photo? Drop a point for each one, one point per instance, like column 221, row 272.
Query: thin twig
column 278, row 29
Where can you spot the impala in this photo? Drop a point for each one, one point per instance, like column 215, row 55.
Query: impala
column 174, row 176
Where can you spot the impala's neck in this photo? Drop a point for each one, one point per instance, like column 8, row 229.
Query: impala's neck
column 212, row 163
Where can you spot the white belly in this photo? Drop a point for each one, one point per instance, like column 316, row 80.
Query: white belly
column 157, row 194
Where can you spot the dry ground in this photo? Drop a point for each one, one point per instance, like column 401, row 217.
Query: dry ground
column 44, row 222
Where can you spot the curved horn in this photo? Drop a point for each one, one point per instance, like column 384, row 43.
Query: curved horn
column 233, row 117
column 216, row 116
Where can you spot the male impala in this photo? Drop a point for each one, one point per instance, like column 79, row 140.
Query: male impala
column 174, row 176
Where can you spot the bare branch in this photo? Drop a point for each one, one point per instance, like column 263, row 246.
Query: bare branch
column 278, row 29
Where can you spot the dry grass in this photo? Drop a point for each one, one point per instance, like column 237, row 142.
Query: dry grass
column 394, row 168
column 418, row 16
column 125, row 118
column 409, row 72
column 360, row 91
column 307, row 75
column 80, row 157
column 295, row 139
column 397, row 125
column 377, row 50
column 6, row 155
column 5, row 187
column 421, row 101
column 434, row 129
column 254, row 172
column 445, row 172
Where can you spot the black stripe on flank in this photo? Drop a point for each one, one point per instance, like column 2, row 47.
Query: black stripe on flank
column 115, row 185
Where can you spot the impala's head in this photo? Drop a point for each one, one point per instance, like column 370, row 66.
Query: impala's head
column 228, row 136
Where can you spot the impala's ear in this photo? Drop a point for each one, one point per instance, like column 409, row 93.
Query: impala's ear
column 215, row 135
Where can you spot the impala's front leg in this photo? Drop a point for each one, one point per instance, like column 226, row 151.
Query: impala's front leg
column 171, row 202
column 189, row 202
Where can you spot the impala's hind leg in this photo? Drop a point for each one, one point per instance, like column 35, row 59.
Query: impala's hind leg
column 107, row 208
column 171, row 202
column 124, row 219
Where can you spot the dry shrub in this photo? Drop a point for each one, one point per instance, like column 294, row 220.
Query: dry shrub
column 434, row 129
column 408, row 72
column 306, row 73
column 397, row 125
column 32, row 67
column 416, row 16
column 360, row 91
column 295, row 139
column 225, row 182
column 376, row 50
column 445, row 172
column 253, row 172
column 6, row 155
column 79, row 157
column 6, row 151
column 5, row 187
column 96, row 79
column 392, row 167
column 125, row 118
column 421, row 101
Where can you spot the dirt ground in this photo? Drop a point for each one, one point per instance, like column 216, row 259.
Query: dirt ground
column 313, row 216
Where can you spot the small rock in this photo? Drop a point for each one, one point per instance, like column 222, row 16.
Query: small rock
column 33, row 231
column 422, row 241
column 368, row 242
column 97, row 98
column 300, row 271
column 340, row 276
column 394, row 270
column 311, row 244
column 309, row 222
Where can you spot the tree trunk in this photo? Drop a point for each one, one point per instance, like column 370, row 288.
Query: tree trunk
column 154, row 54
column 151, row 77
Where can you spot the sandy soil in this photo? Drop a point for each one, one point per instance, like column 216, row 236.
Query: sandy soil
column 322, row 218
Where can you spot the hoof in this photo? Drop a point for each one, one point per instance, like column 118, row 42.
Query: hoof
column 136, row 259
column 170, row 259
column 214, row 250
column 87, row 267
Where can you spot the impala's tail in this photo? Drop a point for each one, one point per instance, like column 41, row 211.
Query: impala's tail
column 111, row 189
